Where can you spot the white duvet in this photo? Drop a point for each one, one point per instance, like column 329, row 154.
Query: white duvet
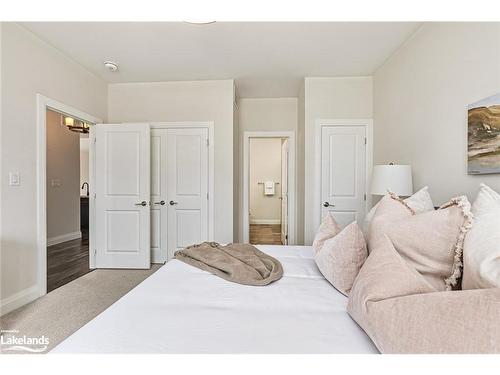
column 181, row 309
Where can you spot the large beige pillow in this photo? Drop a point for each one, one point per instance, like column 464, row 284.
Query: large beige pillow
column 342, row 256
column 391, row 210
column 482, row 243
column 385, row 274
column 459, row 322
column 328, row 229
column 431, row 242
column 419, row 202
column 402, row 312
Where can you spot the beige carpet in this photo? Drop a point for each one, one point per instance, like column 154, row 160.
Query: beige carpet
column 61, row 312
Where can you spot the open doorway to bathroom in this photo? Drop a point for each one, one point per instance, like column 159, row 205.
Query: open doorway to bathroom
column 269, row 188
column 67, row 198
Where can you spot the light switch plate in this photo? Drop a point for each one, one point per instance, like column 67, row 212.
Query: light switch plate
column 14, row 179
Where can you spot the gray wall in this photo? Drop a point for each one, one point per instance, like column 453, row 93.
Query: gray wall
column 187, row 101
column 55, row 76
column 328, row 98
column 266, row 114
column 420, row 104
column 63, row 166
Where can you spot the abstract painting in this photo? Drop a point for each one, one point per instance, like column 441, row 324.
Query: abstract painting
column 483, row 150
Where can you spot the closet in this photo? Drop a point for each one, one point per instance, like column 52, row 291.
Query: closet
column 179, row 190
column 152, row 194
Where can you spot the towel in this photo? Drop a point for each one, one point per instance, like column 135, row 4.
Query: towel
column 269, row 188
column 239, row 263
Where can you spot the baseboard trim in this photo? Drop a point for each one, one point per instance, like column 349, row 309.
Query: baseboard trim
column 265, row 221
column 19, row 299
column 63, row 238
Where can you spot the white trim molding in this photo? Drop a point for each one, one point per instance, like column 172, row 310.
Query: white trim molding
column 211, row 162
column 63, row 238
column 19, row 299
column 265, row 221
column 42, row 104
column 319, row 123
column 292, row 182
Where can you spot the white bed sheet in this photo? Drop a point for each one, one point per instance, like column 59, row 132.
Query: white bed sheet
column 181, row 309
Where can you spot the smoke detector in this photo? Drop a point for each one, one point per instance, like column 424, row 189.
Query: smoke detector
column 111, row 66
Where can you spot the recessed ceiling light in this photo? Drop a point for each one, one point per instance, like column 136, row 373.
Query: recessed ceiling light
column 199, row 21
column 111, row 66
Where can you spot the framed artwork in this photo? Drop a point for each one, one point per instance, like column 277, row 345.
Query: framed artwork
column 483, row 132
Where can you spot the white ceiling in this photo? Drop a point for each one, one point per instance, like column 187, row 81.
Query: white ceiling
column 267, row 59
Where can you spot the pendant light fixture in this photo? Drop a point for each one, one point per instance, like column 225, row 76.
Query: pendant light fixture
column 75, row 125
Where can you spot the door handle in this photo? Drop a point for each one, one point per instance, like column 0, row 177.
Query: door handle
column 326, row 204
column 162, row 203
column 143, row 204
column 172, row 203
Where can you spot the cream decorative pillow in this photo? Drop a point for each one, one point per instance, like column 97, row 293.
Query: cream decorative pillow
column 328, row 229
column 482, row 243
column 342, row 256
column 419, row 202
column 402, row 312
column 432, row 242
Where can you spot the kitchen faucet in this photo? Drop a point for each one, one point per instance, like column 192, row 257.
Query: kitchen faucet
column 83, row 185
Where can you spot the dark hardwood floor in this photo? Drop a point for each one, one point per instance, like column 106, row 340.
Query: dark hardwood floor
column 265, row 234
column 67, row 261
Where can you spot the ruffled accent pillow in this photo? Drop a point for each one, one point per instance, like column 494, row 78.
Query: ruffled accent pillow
column 341, row 257
column 482, row 243
column 419, row 202
column 430, row 242
column 328, row 229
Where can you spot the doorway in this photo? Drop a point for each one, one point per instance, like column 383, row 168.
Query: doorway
column 67, row 198
column 268, row 189
column 64, row 223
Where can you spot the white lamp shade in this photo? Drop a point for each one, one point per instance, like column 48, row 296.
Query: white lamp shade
column 394, row 178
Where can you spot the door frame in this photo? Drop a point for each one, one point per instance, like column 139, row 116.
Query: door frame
column 43, row 104
column 319, row 124
column 291, row 180
column 211, row 161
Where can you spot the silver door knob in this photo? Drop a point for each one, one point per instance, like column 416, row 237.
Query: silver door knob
column 172, row 203
column 326, row 204
column 162, row 203
column 143, row 204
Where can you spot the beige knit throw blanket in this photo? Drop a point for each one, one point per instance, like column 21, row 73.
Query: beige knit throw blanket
column 239, row 263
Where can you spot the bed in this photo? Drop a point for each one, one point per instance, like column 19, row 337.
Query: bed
column 181, row 309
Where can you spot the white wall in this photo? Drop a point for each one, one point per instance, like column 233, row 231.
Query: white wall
column 329, row 98
column 421, row 98
column 63, row 178
column 301, row 123
column 265, row 165
column 30, row 66
column 84, row 162
column 265, row 114
column 187, row 101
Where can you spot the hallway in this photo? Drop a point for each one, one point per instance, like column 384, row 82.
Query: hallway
column 265, row 234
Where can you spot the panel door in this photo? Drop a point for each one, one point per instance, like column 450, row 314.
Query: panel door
column 122, row 196
column 159, row 209
column 343, row 173
column 187, row 187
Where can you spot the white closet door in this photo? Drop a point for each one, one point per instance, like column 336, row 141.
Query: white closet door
column 122, row 196
column 159, row 209
column 343, row 173
column 187, row 187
